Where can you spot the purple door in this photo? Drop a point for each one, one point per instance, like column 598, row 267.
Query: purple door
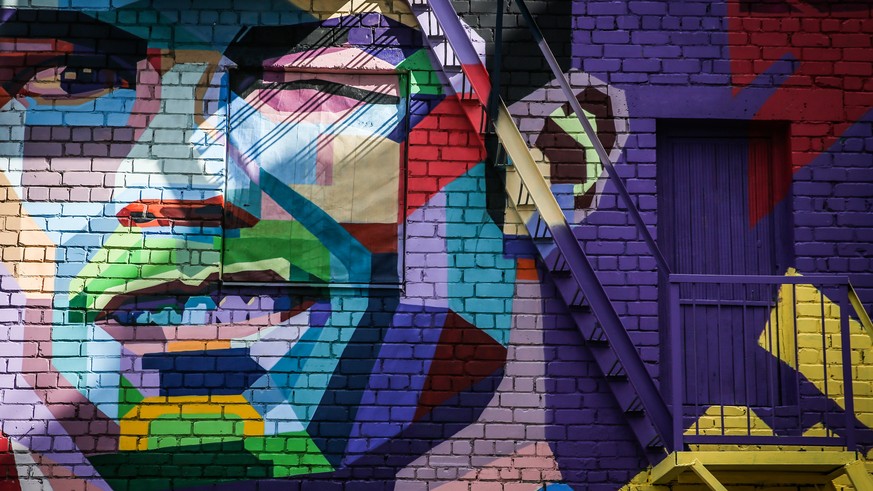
column 722, row 211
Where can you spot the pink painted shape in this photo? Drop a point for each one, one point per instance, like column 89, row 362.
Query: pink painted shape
column 154, row 339
column 303, row 101
column 148, row 98
column 63, row 478
column 270, row 210
column 534, row 464
column 324, row 160
column 330, row 58
column 51, row 386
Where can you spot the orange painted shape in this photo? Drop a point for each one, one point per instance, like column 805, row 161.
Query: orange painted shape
column 526, row 270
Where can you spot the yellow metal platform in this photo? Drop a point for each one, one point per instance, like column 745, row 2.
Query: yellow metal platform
column 764, row 466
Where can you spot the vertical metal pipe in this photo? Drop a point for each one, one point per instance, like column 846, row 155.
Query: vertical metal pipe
column 696, row 386
column 747, row 401
column 774, row 313
column 677, row 366
column 718, row 349
column 796, row 354
column 492, row 143
column 771, row 383
column 848, row 390
column 824, row 354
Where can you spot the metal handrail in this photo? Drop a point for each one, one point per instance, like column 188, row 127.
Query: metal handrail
column 663, row 267
column 844, row 296
column 562, row 235
column 863, row 316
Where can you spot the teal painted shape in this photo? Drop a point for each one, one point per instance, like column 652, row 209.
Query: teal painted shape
column 353, row 256
column 94, row 367
column 305, row 372
column 556, row 487
column 242, row 192
column 481, row 281
column 152, row 20
column 272, row 404
column 86, row 355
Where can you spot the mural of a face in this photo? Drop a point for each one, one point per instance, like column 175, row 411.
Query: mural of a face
column 210, row 224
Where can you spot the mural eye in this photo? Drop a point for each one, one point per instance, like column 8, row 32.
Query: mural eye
column 74, row 82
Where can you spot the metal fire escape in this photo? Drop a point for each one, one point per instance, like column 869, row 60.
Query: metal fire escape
column 658, row 425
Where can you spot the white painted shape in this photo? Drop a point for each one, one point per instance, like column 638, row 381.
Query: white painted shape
column 30, row 477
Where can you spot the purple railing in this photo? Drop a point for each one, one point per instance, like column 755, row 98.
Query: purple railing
column 759, row 360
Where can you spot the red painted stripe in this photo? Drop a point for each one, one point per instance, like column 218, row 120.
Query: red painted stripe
column 193, row 213
column 8, row 472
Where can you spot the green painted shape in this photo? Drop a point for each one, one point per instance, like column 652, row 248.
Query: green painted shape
column 179, row 467
column 128, row 256
column 292, row 454
column 423, row 79
column 194, row 429
column 281, row 239
column 128, row 396
column 205, row 462
column 571, row 125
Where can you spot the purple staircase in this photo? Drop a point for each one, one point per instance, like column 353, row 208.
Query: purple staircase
column 630, row 382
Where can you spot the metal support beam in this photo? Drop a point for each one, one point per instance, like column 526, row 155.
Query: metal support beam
column 858, row 476
column 585, row 276
column 707, row 477
column 816, row 467
column 657, row 413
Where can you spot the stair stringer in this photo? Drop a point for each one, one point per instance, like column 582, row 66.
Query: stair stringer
column 626, row 374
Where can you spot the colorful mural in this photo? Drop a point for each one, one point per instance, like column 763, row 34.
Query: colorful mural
column 216, row 219
column 260, row 245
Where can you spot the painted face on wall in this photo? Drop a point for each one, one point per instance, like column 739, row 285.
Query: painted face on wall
column 201, row 215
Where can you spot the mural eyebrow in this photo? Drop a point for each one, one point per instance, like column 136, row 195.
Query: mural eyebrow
column 72, row 39
column 87, row 34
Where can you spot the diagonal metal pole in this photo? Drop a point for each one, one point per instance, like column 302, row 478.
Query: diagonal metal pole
column 562, row 235
column 663, row 267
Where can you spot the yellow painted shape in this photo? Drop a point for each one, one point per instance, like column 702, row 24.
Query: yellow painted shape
column 25, row 249
column 736, row 421
column 331, row 9
column 174, row 346
column 135, row 424
column 637, row 482
column 805, row 302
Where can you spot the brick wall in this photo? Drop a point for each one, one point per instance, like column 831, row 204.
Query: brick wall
column 259, row 247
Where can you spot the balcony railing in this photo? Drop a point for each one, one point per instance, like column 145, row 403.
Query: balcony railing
column 761, row 360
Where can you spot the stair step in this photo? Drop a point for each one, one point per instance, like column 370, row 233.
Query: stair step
column 615, row 371
column 645, row 432
column 636, row 406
